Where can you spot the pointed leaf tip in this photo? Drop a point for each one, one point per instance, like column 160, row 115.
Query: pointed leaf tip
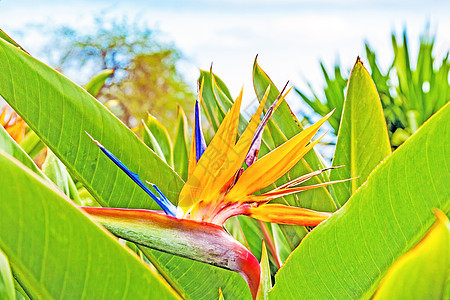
column 257, row 137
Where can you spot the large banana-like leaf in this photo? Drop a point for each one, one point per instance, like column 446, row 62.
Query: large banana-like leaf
column 59, row 111
column 6, row 37
column 56, row 252
column 363, row 140
column 196, row 280
column 346, row 256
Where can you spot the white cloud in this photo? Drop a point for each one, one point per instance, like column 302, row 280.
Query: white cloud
column 289, row 43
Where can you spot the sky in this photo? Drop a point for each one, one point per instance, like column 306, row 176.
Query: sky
column 290, row 37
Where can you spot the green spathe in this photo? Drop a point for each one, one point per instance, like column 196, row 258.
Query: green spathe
column 56, row 231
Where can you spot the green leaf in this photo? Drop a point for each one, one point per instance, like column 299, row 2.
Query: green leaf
column 56, row 172
column 5, row 37
column 32, row 144
column 196, row 280
column 10, row 146
column 363, row 140
column 266, row 281
column 37, row 92
column 210, row 109
column 281, row 236
column 96, row 83
column 7, row 291
column 422, row 272
column 283, row 116
column 20, row 292
column 60, row 112
column 181, row 145
column 60, row 253
column 151, row 142
column 161, row 135
column 347, row 255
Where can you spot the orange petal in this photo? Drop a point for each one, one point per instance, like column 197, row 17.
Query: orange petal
column 305, row 177
column 235, row 157
column 282, row 214
column 275, row 164
column 213, row 157
column 2, row 116
column 287, row 191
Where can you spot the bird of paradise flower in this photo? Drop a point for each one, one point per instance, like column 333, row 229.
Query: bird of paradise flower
column 223, row 178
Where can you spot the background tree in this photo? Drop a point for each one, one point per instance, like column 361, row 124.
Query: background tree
column 145, row 78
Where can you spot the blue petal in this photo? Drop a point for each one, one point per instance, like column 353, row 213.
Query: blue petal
column 200, row 144
column 162, row 201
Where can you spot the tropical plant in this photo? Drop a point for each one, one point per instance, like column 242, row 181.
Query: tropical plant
column 410, row 92
column 372, row 225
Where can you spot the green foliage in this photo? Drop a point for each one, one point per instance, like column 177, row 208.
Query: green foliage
column 181, row 145
column 266, row 282
column 348, row 255
column 64, row 133
column 10, row 146
column 410, row 92
column 422, row 272
column 96, row 83
column 388, row 212
column 161, row 135
column 80, row 112
column 57, row 230
column 363, row 141
column 7, row 291
column 56, row 171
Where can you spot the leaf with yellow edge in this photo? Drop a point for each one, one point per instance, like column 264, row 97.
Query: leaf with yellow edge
column 7, row 291
column 266, row 282
column 422, row 272
column 269, row 168
column 221, row 294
